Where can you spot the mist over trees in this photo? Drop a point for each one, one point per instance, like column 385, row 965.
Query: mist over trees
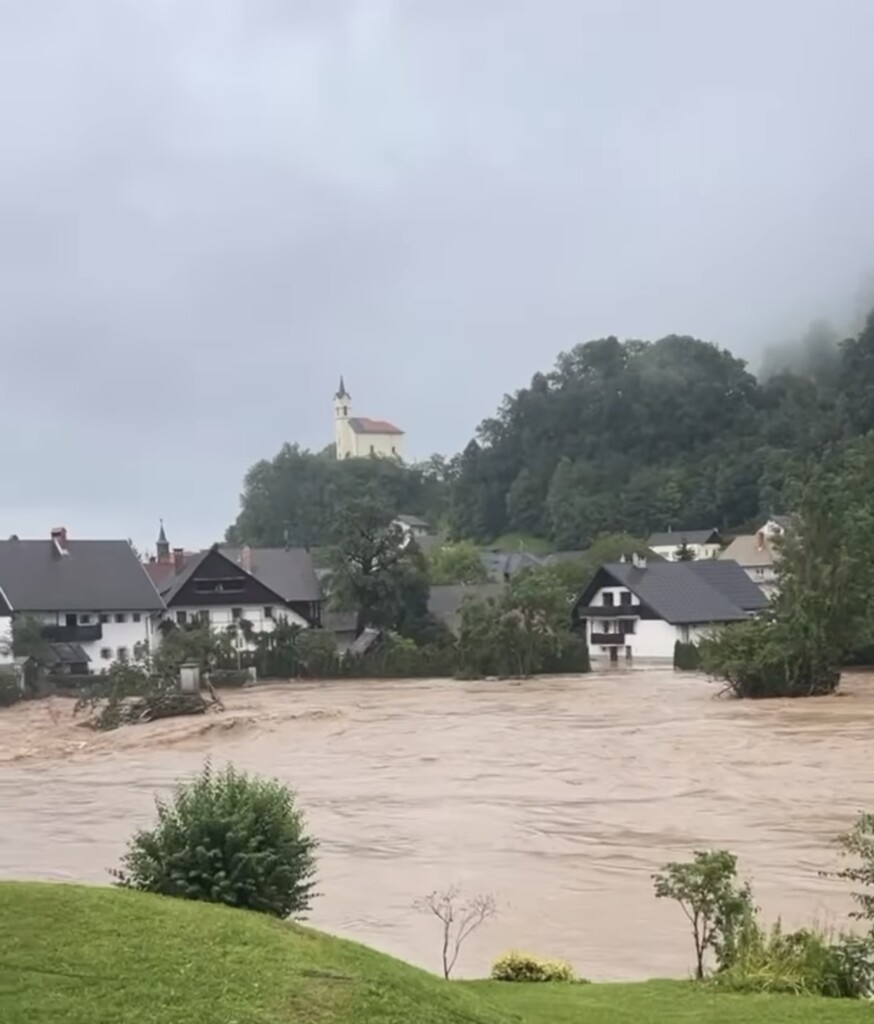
column 618, row 436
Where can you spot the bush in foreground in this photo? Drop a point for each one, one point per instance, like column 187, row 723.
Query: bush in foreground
column 804, row 962
column 515, row 966
column 226, row 837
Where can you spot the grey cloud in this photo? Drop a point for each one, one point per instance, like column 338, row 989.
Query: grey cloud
column 210, row 208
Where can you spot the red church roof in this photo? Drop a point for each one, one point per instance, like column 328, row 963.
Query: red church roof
column 364, row 425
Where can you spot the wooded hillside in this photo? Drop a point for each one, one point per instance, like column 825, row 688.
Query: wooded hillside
column 620, row 436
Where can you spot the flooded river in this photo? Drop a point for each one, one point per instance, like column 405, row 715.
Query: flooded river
column 559, row 796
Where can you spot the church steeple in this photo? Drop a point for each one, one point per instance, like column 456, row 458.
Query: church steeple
column 162, row 548
column 341, row 391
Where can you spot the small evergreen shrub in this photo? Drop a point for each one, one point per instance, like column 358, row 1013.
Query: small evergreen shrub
column 226, row 837
column 10, row 689
column 686, row 657
column 514, row 966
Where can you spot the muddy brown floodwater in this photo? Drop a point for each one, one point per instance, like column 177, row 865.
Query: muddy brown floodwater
column 560, row 796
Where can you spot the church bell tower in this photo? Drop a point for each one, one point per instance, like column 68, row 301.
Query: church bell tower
column 342, row 412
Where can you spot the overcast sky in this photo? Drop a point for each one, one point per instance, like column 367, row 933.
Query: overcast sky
column 209, row 209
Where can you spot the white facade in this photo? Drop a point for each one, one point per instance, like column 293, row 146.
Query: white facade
column 263, row 618
column 700, row 551
column 121, row 633
column 6, row 639
column 647, row 639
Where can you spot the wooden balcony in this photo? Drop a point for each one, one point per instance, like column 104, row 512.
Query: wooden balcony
column 608, row 639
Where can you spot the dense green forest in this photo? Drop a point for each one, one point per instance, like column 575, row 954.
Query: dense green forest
column 620, row 436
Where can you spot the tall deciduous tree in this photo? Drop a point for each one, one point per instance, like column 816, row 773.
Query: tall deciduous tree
column 375, row 570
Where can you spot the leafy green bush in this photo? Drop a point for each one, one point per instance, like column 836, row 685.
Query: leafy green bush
column 716, row 906
column 686, row 657
column 229, row 677
column 804, row 962
column 10, row 689
column 226, row 837
column 514, row 966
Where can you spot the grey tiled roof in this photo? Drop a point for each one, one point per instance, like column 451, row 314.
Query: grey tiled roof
column 288, row 572
column 678, row 593
column 94, row 575
column 729, row 579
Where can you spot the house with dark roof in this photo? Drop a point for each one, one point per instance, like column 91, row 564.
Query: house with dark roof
column 641, row 608
column 445, row 601
column 697, row 543
column 261, row 586
column 357, row 437
column 502, row 566
column 93, row 597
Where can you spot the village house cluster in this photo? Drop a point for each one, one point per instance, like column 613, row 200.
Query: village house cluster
column 97, row 602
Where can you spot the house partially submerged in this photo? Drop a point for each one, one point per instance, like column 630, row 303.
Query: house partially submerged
column 445, row 602
column 640, row 609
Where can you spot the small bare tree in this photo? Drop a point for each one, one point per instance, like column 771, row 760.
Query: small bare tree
column 459, row 918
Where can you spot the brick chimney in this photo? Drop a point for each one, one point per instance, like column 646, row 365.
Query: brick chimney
column 178, row 559
column 59, row 539
column 246, row 558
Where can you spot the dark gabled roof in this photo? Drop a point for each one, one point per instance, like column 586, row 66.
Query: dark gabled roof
column 674, row 591
column 446, row 600
column 676, row 538
column 415, row 521
column 94, row 575
column 730, row 579
column 499, row 564
column 288, row 572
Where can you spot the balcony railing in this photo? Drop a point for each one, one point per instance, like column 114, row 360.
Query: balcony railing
column 73, row 634
column 609, row 611
column 609, row 639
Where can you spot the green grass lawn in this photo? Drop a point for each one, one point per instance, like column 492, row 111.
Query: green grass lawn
column 661, row 1002
column 77, row 955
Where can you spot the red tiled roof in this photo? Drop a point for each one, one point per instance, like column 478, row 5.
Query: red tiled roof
column 364, row 425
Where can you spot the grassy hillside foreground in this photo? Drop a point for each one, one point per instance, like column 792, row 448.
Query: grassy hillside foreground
column 101, row 956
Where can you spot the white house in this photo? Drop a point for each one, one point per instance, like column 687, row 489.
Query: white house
column 226, row 585
column 640, row 609
column 698, row 543
column 358, row 437
column 412, row 526
column 93, row 597
column 757, row 553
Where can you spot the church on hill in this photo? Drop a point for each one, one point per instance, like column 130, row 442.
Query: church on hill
column 358, row 437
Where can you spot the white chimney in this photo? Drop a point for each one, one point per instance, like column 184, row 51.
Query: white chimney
column 638, row 561
column 59, row 539
column 246, row 558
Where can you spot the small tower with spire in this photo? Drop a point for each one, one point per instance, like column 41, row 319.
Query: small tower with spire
column 162, row 548
column 342, row 414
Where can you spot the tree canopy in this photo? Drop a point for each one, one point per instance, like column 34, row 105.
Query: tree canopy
column 619, row 436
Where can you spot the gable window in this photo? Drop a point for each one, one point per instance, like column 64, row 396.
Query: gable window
column 106, row 653
column 136, row 617
column 625, row 597
column 268, row 611
column 104, row 617
column 229, row 585
column 84, row 620
column 120, row 617
column 181, row 617
column 236, row 614
column 609, row 599
column 121, row 654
